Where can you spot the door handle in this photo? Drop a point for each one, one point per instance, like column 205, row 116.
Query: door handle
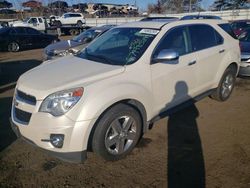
column 191, row 63
column 221, row 51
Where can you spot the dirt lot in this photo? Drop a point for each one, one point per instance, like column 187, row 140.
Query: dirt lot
column 204, row 145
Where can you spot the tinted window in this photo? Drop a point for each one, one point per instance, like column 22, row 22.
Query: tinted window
column 202, row 37
column 20, row 30
column 176, row 39
column 228, row 29
column 33, row 20
column 32, row 31
column 40, row 20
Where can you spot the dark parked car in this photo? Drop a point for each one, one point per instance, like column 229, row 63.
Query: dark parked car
column 14, row 39
column 240, row 26
column 190, row 17
column 245, row 53
column 74, row 45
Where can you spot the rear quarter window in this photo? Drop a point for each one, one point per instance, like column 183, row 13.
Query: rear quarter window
column 227, row 27
column 202, row 37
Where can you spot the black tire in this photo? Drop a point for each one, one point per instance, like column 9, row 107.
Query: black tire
column 13, row 47
column 73, row 32
column 117, row 132
column 58, row 24
column 79, row 23
column 226, row 85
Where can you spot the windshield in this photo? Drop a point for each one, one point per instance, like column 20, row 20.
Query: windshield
column 26, row 19
column 119, row 46
column 90, row 33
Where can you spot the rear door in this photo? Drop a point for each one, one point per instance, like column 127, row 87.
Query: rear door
column 208, row 50
column 35, row 39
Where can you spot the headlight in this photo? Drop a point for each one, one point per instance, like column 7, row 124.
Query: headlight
column 61, row 102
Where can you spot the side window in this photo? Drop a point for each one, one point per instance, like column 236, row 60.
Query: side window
column 33, row 20
column 202, row 37
column 32, row 31
column 20, row 30
column 40, row 20
column 219, row 38
column 66, row 15
column 177, row 39
column 226, row 27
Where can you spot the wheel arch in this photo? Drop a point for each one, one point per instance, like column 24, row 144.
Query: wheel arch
column 137, row 105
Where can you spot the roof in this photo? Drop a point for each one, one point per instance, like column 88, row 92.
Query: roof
column 160, row 24
column 145, row 24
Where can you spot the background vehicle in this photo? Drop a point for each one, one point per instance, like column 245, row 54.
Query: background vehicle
column 65, row 47
column 239, row 26
column 70, row 19
column 107, row 96
column 159, row 19
column 245, row 53
column 200, row 16
column 37, row 23
column 14, row 39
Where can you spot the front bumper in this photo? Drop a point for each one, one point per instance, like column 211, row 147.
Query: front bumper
column 73, row 157
column 38, row 129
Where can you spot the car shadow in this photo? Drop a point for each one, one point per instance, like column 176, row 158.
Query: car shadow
column 185, row 157
column 10, row 72
column 7, row 136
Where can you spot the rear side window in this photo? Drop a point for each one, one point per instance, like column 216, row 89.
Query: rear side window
column 228, row 29
column 20, row 30
column 176, row 39
column 202, row 37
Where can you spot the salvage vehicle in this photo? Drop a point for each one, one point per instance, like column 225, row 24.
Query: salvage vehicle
column 14, row 39
column 74, row 45
column 70, row 19
column 106, row 97
column 245, row 53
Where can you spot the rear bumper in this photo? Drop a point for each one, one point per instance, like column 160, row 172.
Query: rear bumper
column 72, row 157
column 244, row 70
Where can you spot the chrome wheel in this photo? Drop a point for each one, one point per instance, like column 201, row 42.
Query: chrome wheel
column 227, row 86
column 13, row 47
column 120, row 135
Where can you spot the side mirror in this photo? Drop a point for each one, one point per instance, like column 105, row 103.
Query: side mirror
column 166, row 55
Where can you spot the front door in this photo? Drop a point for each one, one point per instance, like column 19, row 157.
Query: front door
column 173, row 82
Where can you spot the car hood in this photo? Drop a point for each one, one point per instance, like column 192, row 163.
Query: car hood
column 62, row 45
column 19, row 23
column 64, row 73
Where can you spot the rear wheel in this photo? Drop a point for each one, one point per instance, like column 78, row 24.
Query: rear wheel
column 13, row 47
column 226, row 85
column 117, row 132
column 79, row 23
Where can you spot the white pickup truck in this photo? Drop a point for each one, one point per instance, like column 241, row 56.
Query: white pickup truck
column 37, row 23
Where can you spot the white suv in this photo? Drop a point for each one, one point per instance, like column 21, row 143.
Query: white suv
column 70, row 19
column 107, row 96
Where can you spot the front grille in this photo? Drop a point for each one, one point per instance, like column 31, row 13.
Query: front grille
column 26, row 98
column 22, row 116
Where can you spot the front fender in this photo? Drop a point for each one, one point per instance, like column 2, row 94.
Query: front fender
column 95, row 102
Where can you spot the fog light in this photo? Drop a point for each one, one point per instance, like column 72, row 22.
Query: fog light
column 57, row 140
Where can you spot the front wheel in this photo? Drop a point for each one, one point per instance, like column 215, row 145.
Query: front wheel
column 226, row 85
column 117, row 132
column 13, row 47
